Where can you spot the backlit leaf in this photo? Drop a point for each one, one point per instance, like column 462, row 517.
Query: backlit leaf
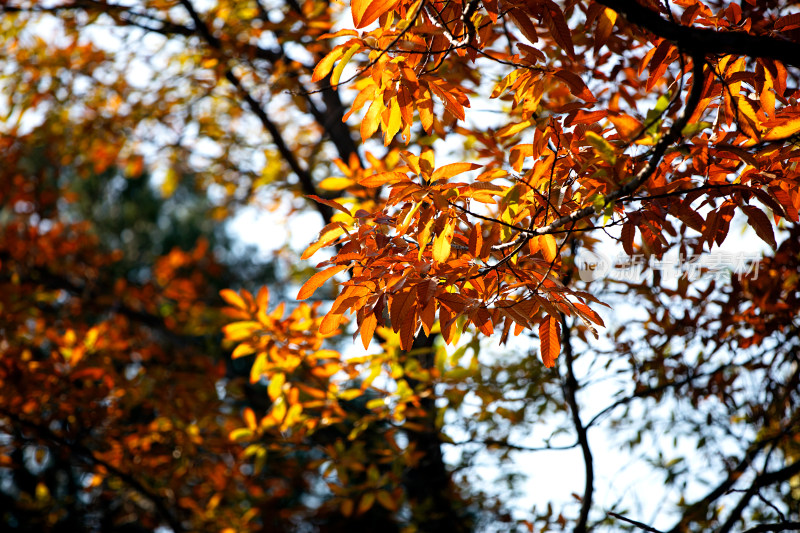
column 549, row 340
column 316, row 281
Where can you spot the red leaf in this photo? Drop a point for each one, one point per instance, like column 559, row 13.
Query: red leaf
column 559, row 29
column 628, row 233
column 329, row 203
column 576, row 85
column 761, row 224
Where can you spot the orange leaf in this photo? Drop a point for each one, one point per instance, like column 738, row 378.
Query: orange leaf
column 365, row 12
column 453, row 169
column 324, row 67
column 327, row 236
column 316, row 281
column 262, row 298
column 549, row 343
column 627, row 235
column 476, row 240
column 558, row 28
column 425, row 109
column 548, row 246
column 250, row 418
column 368, row 329
column 386, row 500
column 627, row 126
column 449, row 101
column 330, row 323
column 383, row 178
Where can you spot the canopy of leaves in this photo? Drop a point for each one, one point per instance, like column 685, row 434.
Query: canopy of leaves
column 462, row 157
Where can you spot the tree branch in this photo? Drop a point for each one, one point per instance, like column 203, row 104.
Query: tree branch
column 640, row 525
column 570, row 388
column 702, row 41
column 782, row 526
column 306, row 181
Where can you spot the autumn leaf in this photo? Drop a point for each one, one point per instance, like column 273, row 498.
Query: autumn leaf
column 759, row 221
column 547, row 243
column 232, row 298
column 328, row 235
column 365, row 12
column 330, row 203
column 441, row 243
column 325, row 66
column 549, row 340
column 453, row 169
column 383, row 178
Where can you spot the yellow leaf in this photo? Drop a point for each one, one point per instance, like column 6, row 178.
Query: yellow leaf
column 170, row 183
column 238, row 331
column 278, row 411
column 513, row 129
column 337, row 72
column 386, row 500
column 366, row 502
column 327, row 236
column 394, row 122
column 350, row 394
column 604, row 149
column 369, row 124
column 441, row 244
column 242, row 350
column 292, row 415
column 240, row 434
column 335, row 184
column 786, row 129
column 233, row 299
column 276, row 386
